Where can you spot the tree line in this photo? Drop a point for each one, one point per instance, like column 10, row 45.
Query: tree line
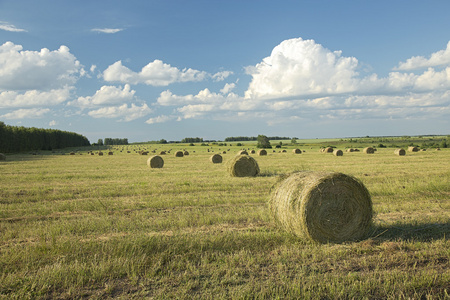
column 19, row 138
column 253, row 138
column 112, row 141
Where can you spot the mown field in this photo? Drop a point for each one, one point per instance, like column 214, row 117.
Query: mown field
column 89, row 226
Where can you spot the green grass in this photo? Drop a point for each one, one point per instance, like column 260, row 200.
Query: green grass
column 87, row 226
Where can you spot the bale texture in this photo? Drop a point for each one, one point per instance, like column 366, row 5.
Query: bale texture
column 216, row 159
column 400, row 152
column 297, row 151
column 262, row 152
column 243, row 166
column 179, row 154
column 155, row 161
column 338, row 152
column 322, row 206
column 369, row 150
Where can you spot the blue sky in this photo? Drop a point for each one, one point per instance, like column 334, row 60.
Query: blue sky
column 151, row 70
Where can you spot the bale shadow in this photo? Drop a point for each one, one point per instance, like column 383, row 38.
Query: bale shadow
column 417, row 232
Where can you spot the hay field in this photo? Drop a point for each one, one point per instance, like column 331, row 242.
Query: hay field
column 89, row 226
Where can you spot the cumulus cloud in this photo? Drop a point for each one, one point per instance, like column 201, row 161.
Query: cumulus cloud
column 160, row 119
column 30, row 113
column 106, row 95
column 221, row 76
column 122, row 112
column 155, row 73
column 37, row 70
column 33, row 98
column 106, row 30
column 9, row 27
column 438, row 58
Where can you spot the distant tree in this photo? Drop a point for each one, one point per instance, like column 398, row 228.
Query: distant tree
column 294, row 141
column 263, row 142
column 100, row 142
column 162, row 141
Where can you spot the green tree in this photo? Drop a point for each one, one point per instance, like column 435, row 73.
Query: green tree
column 263, row 142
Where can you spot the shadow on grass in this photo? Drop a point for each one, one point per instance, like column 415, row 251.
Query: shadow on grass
column 418, row 232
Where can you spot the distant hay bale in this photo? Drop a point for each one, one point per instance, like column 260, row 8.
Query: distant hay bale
column 242, row 152
column 72, row 153
column 2, row 156
column 179, row 154
column 322, row 206
column 356, row 150
column 400, row 152
column 92, row 153
column 438, row 149
column 155, row 162
column 297, row 151
column 162, row 153
column 368, row 150
column 252, row 151
column 413, row 149
column 185, row 153
column 224, row 152
column 243, row 166
column 349, row 150
column 338, row 152
column 262, row 152
column 216, row 159
column 110, row 153
column 284, row 151
column 328, row 150
column 100, row 153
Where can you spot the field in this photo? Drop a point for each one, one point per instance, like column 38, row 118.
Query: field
column 89, row 226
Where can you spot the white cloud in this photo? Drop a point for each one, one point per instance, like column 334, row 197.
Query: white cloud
column 37, row 70
column 31, row 113
column 33, row 98
column 155, row 73
column 221, row 76
column 228, row 88
column 107, row 30
column 52, row 123
column 438, row 58
column 106, row 95
column 122, row 112
column 9, row 27
column 160, row 119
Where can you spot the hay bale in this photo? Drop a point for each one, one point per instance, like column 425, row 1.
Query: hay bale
column 179, row 154
column 2, row 156
column 262, row 152
column 216, row 159
column 338, row 152
column 297, row 151
column 110, row 153
column 243, row 166
column 322, row 206
column 328, row 150
column 349, row 150
column 252, row 152
column 242, row 152
column 72, row 153
column 155, row 162
column 185, row 153
column 413, row 149
column 162, row 153
column 369, row 150
column 100, row 153
column 400, row 152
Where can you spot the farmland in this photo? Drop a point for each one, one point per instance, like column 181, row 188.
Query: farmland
column 89, row 226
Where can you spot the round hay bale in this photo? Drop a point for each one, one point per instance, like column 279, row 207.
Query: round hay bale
column 100, row 153
column 155, row 162
column 162, row 153
column 224, row 152
column 438, row 149
column 243, row 166
column 216, row 159
column 328, row 150
column 252, row 152
column 413, row 149
column 2, row 156
column 72, row 153
column 400, row 152
column 185, row 153
column 322, row 206
column 369, row 150
column 338, row 152
column 110, row 153
column 284, row 151
column 179, row 154
column 297, row 151
column 242, row 152
column 349, row 150
column 262, row 152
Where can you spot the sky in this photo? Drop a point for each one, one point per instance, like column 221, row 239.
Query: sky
column 152, row 70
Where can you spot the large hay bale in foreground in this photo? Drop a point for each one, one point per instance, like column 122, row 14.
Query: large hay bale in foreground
column 243, row 166
column 216, row 159
column 297, row 151
column 338, row 152
column 322, row 206
column 400, row 152
column 369, row 150
column 179, row 154
column 155, row 162
column 2, row 156
column 262, row 152
column 413, row 149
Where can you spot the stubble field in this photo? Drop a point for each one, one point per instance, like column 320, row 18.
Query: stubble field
column 89, row 226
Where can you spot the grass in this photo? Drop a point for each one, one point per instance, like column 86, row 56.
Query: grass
column 87, row 226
